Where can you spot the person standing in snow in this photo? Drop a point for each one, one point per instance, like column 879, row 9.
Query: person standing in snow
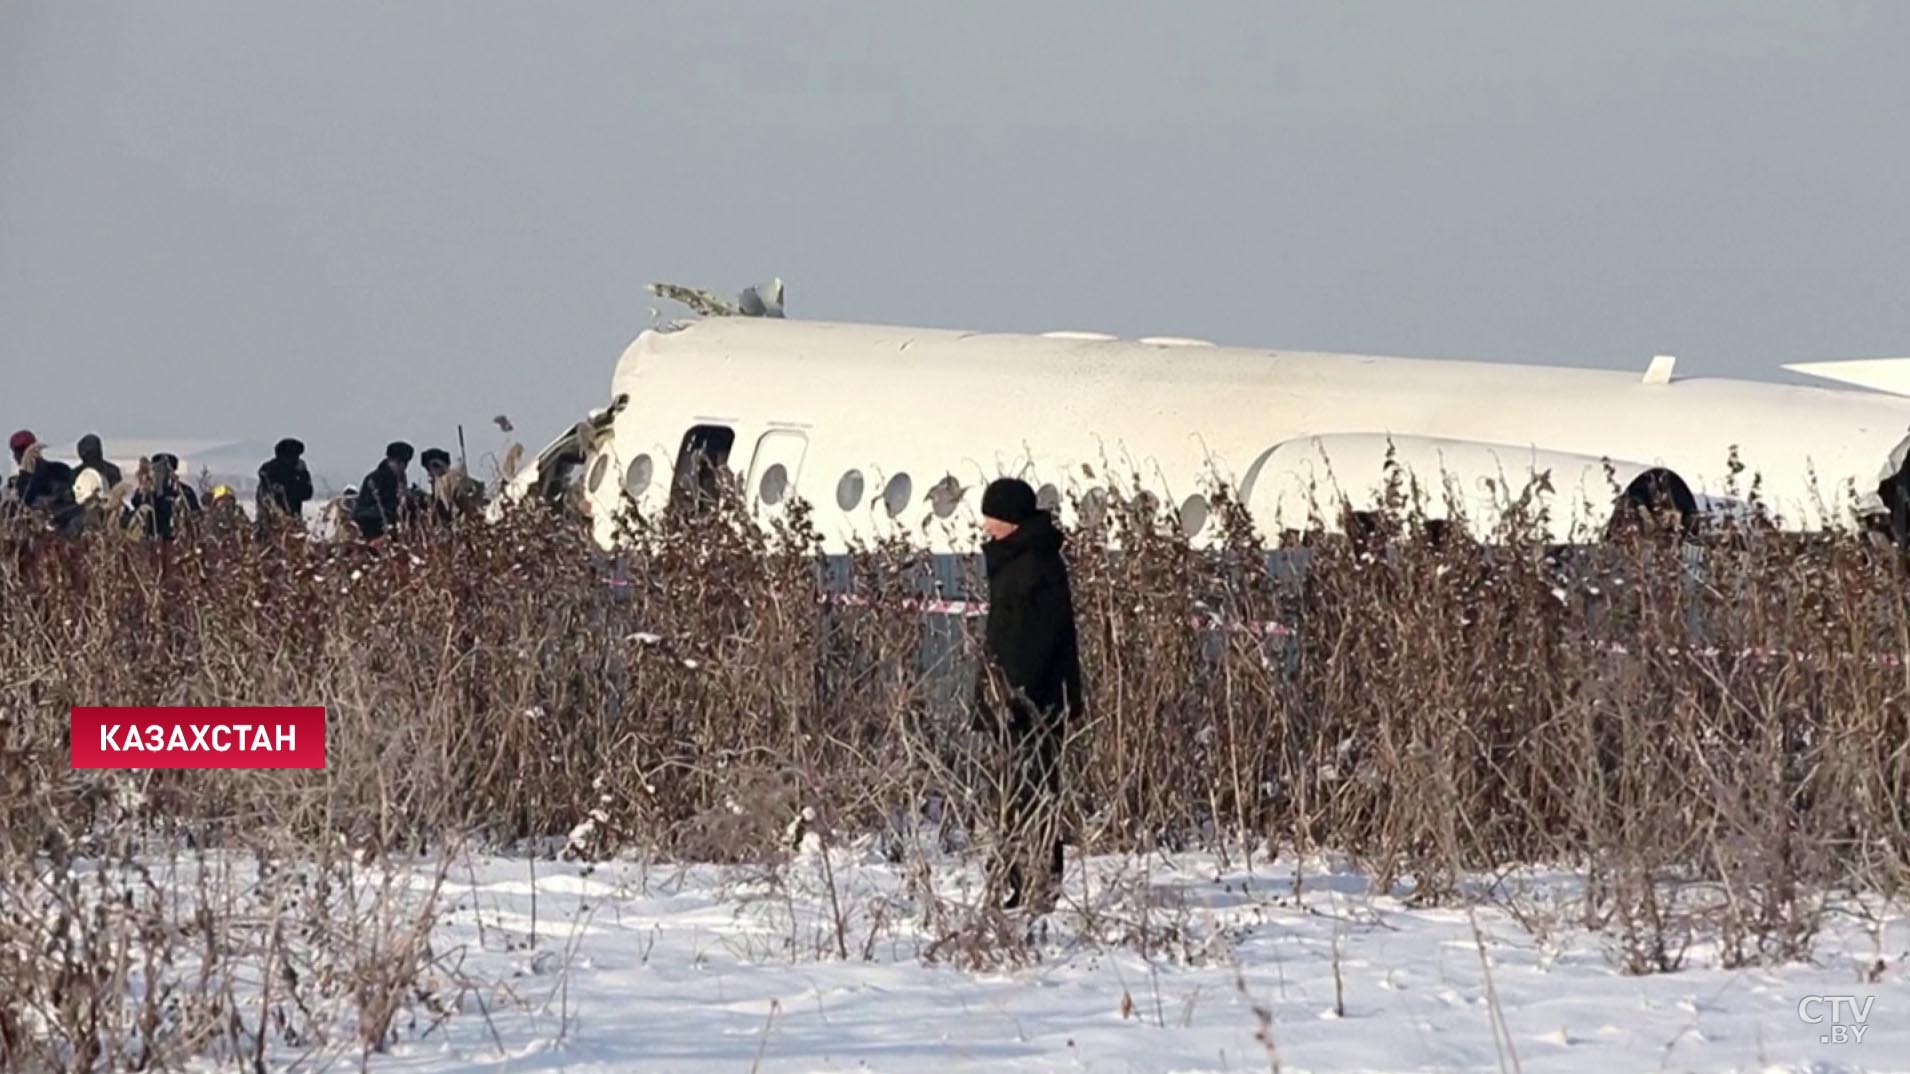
column 38, row 481
column 335, row 515
column 223, row 515
column 381, row 496
column 163, row 502
column 1031, row 677
column 94, row 478
column 41, row 485
column 18, row 444
column 451, row 494
column 425, row 505
column 285, row 484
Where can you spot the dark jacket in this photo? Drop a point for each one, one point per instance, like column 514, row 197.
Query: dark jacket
column 380, row 503
column 109, row 474
column 47, row 485
column 285, row 485
column 1032, row 645
column 168, row 502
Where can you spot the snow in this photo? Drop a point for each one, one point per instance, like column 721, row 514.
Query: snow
column 1152, row 965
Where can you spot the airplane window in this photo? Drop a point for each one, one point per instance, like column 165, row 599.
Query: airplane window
column 849, row 490
column 896, row 496
column 1048, row 499
column 946, row 494
column 597, row 470
column 637, row 478
column 774, row 484
column 1193, row 515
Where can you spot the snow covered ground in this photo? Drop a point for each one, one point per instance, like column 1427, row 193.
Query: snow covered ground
column 1146, row 966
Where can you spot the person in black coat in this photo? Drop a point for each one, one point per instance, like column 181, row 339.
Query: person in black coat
column 285, row 484
column 1032, row 679
column 38, row 481
column 163, row 501
column 381, row 496
column 426, row 504
column 449, row 495
column 40, row 485
column 93, row 457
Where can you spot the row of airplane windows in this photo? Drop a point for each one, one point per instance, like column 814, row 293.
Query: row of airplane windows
column 713, row 444
column 944, row 497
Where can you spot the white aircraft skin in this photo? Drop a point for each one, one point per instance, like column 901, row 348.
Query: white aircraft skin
column 1070, row 412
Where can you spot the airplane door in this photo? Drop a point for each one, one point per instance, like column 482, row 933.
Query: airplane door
column 775, row 466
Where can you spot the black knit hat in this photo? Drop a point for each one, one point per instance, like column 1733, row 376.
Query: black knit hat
column 434, row 454
column 398, row 450
column 1010, row 500
column 288, row 448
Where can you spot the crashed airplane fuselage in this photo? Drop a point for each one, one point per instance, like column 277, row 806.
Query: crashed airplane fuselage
column 885, row 430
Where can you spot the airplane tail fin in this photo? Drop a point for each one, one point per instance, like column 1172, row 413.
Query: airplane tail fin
column 1891, row 375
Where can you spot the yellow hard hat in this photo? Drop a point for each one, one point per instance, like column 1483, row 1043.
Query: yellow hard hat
column 220, row 492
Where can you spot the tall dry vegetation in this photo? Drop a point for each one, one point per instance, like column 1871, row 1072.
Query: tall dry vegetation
column 1719, row 738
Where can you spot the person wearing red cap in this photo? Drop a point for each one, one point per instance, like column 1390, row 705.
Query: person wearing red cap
column 16, row 484
column 38, row 482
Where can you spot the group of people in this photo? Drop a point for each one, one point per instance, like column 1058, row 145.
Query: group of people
column 1028, row 690
column 386, row 500
column 96, row 491
column 158, row 499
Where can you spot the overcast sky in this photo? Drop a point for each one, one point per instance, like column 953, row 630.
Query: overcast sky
column 357, row 221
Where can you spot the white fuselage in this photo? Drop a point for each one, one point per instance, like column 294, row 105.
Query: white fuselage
column 866, row 423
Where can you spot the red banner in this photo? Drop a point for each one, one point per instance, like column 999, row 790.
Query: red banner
column 249, row 737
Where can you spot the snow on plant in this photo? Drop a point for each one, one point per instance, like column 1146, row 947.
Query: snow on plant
column 1713, row 744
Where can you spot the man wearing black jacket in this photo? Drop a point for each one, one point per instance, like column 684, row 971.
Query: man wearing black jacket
column 381, row 496
column 285, row 485
column 93, row 458
column 163, row 500
column 449, row 495
column 39, row 482
column 1033, row 675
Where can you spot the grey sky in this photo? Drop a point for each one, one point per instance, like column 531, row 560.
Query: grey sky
column 355, row 221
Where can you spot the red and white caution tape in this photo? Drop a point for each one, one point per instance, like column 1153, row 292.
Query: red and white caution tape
column 975, row 609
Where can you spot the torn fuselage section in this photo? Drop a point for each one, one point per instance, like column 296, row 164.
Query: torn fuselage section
column 1887, row 511
column 761, row 300
column 561, row 475
column 554, row 476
